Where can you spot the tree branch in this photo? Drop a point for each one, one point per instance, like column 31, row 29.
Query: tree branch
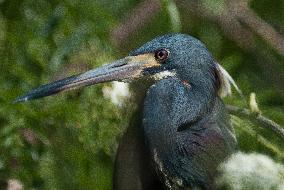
column 136, row 19
column 259, row 118
column 242, row 12
column 238, row 21
column 231, row 19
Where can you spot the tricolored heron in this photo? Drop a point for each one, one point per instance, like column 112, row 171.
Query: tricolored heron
column 181, row 132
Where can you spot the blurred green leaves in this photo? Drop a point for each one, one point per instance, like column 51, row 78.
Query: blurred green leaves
column 69, row 141
column 173, row 15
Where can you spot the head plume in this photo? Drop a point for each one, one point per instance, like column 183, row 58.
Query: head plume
column 226, row 81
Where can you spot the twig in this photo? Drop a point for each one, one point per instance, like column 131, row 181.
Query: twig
column 259, row 118
column 264, row 141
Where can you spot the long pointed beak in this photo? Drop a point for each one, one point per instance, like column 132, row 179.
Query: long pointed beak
column 128, row 68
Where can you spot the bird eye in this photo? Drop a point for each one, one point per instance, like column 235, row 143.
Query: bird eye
column 161, row 54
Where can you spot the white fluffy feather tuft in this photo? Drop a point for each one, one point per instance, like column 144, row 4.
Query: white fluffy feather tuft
column 117, row 93
column 251, row 171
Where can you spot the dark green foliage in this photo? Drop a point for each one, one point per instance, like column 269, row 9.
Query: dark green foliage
column 69, row 141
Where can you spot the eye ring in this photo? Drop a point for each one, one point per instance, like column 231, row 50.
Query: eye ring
column 162, row 54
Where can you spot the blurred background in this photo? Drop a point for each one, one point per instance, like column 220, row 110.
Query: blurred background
column 69, row 141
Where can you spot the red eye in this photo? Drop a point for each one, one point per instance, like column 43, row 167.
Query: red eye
column 161, row 54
